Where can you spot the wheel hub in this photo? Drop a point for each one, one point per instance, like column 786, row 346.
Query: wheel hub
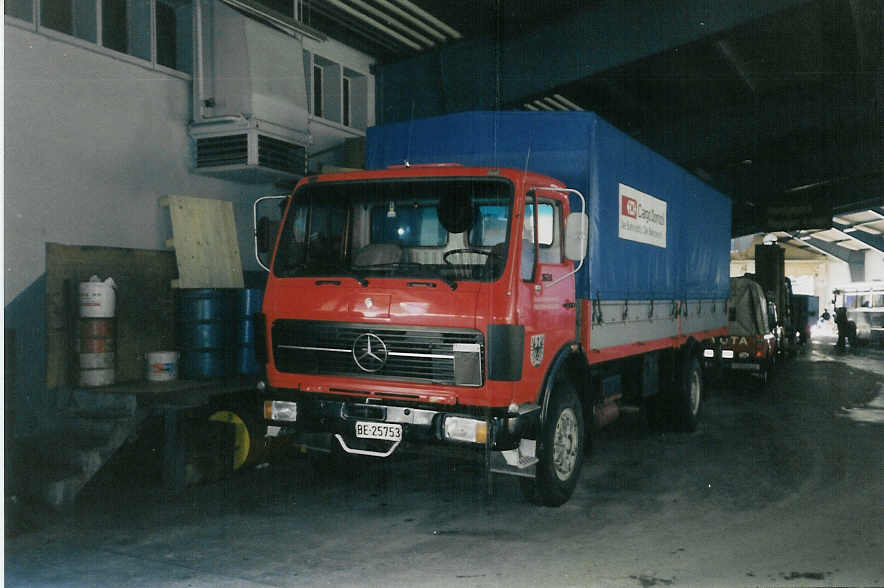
column 565, row 444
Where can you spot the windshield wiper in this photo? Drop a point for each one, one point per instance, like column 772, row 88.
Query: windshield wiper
column 395, row 265
column 304, row 269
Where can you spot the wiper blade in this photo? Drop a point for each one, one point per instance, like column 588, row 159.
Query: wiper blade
column 425, row 269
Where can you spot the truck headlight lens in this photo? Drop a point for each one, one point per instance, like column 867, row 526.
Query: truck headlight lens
column 464, row 429
column 727, row 353
column 708, row 353
column 279, row 410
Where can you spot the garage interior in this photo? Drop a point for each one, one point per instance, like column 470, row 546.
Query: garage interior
column 138, row 136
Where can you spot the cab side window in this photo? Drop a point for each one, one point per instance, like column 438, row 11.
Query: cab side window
column 540, row 236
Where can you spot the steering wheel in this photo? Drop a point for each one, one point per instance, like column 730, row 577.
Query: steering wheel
column 466, row 250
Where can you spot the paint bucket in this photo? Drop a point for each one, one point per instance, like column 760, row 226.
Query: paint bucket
column 97, row 298
column 96, row 361
column 162, row 366
column 97, row 377
column 96, row 335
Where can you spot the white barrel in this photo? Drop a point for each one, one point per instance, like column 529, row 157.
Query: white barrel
column 97, row 299
column 100, row 377
column 162, row 366
column 94, row 361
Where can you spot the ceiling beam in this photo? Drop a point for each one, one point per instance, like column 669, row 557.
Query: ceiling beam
column 876, row 242
column 840, row 253
column 486, row 73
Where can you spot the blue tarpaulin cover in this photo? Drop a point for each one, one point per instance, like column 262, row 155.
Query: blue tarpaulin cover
column 588, row 154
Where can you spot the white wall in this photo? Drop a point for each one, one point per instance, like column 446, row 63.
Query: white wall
column 91, row 144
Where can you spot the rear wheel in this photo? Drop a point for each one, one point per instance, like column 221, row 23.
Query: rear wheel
column 688, row 400
column 560, row 450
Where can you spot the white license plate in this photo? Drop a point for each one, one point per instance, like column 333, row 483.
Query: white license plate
column 752, row 367
column 383, row 431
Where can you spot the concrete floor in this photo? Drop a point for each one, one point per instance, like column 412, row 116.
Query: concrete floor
column 781, row 486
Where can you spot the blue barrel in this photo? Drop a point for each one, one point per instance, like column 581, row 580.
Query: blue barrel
column 247, row 304
column 203, row 320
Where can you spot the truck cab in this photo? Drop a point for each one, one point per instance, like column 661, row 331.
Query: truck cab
column 399, row 305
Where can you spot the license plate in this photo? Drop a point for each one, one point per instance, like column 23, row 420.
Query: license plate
column 383, row 431
column 752, row 367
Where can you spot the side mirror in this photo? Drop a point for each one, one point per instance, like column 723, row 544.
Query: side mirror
column 265, row 231
column 576, row 236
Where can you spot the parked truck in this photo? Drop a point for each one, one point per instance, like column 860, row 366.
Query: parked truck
column 770, row 273
column 805, row 314
column 750, row 345
column 498, row 281
column 862, row 304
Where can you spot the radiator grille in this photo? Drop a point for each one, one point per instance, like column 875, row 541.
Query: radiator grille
column 226, row 150
column 414, row 354
column 280, row 155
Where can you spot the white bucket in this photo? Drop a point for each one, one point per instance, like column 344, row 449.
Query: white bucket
column 93, row 361
column 92, row 378
column 162, row 366
column 97, row 298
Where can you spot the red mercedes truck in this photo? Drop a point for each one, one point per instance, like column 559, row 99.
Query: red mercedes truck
column 502, row 281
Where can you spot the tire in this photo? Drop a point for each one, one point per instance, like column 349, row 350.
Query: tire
column 560, row 449
column 763, row 376
column 688, row 398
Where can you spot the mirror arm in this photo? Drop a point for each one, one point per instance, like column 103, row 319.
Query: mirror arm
column 585, row 231
column 255, row 226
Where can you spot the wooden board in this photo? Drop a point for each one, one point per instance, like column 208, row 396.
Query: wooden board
column 145, row 306
column 205, row 242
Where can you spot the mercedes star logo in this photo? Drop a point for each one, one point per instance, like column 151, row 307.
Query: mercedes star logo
column 369, row 352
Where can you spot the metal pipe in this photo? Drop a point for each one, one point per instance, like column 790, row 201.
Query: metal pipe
column 566, row 102
column 198, row 74
column 411, row 18
column 398, row 24
column 372, row 22
column 429, row 17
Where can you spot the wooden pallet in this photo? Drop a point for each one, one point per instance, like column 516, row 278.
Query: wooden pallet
column 205, row 242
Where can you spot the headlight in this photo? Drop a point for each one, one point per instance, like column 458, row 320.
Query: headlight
column 279, row 410
column 708, row 353
column 464, row 429
column 727, row 353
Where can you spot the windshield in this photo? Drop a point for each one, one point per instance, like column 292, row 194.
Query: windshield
column 447, row 229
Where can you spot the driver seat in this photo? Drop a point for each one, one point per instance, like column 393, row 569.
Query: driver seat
column 378, row 253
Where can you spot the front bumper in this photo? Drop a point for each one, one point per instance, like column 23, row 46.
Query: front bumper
column 310, row 416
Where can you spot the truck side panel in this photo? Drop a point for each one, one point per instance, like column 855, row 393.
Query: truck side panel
column 658, row 262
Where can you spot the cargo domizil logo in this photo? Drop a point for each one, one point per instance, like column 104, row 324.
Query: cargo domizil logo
column 628, row 206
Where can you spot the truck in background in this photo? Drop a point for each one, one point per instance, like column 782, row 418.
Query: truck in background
column 750, row 345
column 507, row 302
column 770, row 273
column 863, row 305
column 805, row 314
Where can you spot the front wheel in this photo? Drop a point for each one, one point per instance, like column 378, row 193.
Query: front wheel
column 560, row 449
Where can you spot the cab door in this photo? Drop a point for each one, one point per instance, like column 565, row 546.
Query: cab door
column 547, row 303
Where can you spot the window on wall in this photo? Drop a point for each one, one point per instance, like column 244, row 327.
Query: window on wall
column 132, row 27
column 76, row 18
column 345, row 114
column 125, row 26
column 23, row 9
column 317, row 90
column 174, row 30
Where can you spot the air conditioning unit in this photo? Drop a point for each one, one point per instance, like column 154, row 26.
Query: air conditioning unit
column 248, row 151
